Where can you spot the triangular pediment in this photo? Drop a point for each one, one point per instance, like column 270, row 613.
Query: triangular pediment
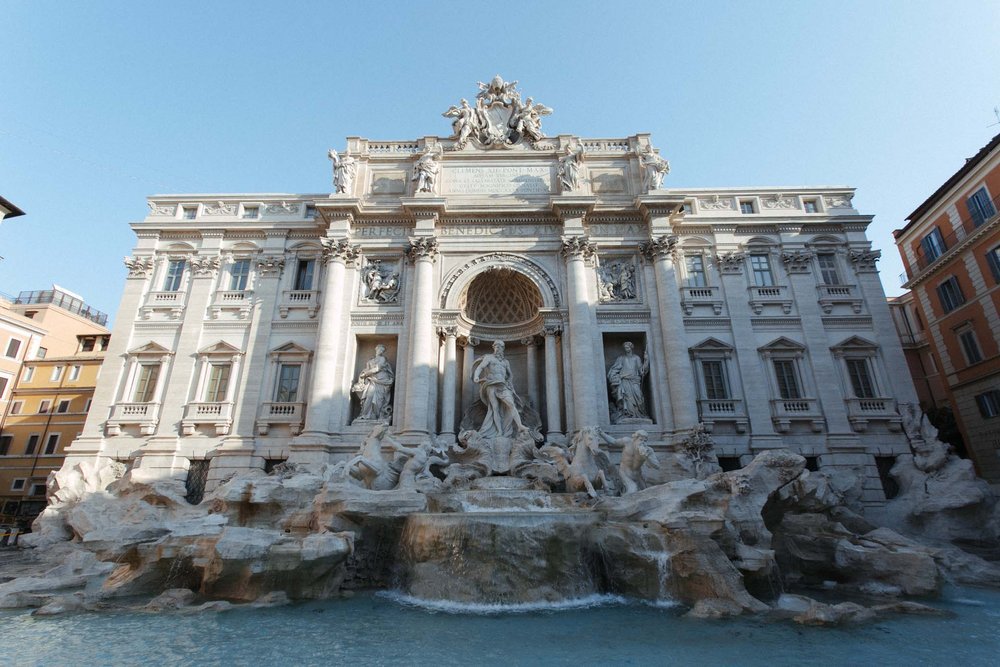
column 290, row 348
column 712, row 345
column 855, row 343
column 783, row 343
column 150, row 348
column 221, row 347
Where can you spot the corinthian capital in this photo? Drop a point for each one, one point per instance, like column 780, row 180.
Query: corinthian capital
column 341, row 249
column 659, row 247
column 205, row 266
column 138, row 267
column 577, row 246
column 422, row 247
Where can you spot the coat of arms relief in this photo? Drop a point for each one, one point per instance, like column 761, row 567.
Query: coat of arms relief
column 499, row 118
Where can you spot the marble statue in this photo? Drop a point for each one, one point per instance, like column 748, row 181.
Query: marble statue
column 616, row 281
column 654, row 168
column 369, row 467
column 381, row 284
column 625, row 378
column 374, row 388
column 425, row 171
column 526, row 119
column 344, row 170
column 929, row 453
column 496, row 390
column 467, row 122
column 635, row 454
column 499, row 118
column 583, row 470
column 569, row 169
column 698, row 445
column 416, row 471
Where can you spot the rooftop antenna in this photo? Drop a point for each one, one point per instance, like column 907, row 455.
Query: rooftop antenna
column 996, row 112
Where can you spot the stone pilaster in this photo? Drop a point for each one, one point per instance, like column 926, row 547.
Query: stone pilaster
column 422, row 252
column 578, row 252
column 680, row 377
column 553, row 422
column 449, row 384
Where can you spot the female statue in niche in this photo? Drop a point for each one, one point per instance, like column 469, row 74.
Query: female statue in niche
column 625, row 377
column 374, row 388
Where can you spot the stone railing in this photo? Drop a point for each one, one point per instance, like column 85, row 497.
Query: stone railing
column 290, row 414
column 217, row 414
column 299, row 298
column 831, row 295
column 714, row 410
column 786, row 410
column 239, row 301
column 146, row 415
column 860, row 411
column 701, row 296
column 170, row 302
column 764, row 295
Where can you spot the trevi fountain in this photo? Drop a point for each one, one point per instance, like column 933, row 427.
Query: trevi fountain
column 597, row 507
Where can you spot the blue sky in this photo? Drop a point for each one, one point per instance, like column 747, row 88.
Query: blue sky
column 104, row 103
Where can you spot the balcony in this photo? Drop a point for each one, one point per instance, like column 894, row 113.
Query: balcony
column 290, row 414
column 832, row 295
column 784, row 411
column 145, row 415
column 217, row 414
column 968, row 227
column 171, row 303
column 307, row 300
column 714, row 410
column 770, row 295
column 238, row 301
column 860, row 411
column 701, row 296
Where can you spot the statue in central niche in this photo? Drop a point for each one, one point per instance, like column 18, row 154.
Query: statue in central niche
column 496, row 390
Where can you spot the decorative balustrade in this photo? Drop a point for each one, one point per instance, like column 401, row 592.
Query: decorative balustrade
column 299, row 299
column 860, row 411
column 273, row 413
column 170, row 302
column 765, row 295
column 145, row 415
column 238, row 301
column 218, row 414
column 786, row 410
column 701, row 296
column 714, row 410
column 831, row 295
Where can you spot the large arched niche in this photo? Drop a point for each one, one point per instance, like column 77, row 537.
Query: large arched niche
column 457, row 282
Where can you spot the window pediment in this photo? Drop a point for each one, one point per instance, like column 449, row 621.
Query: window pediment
column 782, row 344
column 150, row 349
column 221, row 348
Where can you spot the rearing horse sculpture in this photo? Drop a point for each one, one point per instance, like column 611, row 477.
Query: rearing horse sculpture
column 582, row 472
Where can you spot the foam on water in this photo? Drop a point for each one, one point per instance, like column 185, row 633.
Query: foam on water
column 495, row 608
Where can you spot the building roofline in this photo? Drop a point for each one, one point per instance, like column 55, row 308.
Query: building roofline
column 970, row 164
column 14, row 210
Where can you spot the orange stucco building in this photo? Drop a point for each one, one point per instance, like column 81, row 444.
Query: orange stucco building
column 951, row 249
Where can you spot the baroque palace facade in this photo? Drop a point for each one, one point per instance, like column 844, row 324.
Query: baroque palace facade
column 260, row 328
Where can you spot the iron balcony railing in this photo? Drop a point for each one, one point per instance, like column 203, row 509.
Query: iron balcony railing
column 64, row 301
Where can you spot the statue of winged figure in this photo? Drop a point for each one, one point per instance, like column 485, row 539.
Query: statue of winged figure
column 467, row 121
column 526, row 118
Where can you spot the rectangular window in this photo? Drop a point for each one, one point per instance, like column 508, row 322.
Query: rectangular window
column 5, row 443
column 760, row 265
column 788, row 378
column 716, row 386
column 145, row 388
column 190, row 212
column 63, row 406
column 3, row 386
column 44, row 407
column 29, row 373
column 13, row 347
column 304, row 274
column 861, row 378
column 175, row 272
column 74, row 372
column 42, row 351
column 218, row 383
column 950, row 294
column 51, row 443
column 16, row 407
column 87, row 344
column 288, row 383
column 746, row 206
column 993, row 259
column 810, row 206
column 989, row 403
column 251, row 212
column 38, row 489
column 933, row 245
column 980, row 207
column 56, row 374
column 828, row 268
column 32, row 445
column 18, row 484
column 696, row 271
column 86, row 404
column 970, row 347
column 239, row 274
column 310, row 211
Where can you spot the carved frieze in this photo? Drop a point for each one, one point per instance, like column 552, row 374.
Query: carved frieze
column 838, row 201
column 381, row 282
column 779, row 201
column 220, row 208
column 284, row 208
column 162, row 209
column 616, row 280
column 717, row 203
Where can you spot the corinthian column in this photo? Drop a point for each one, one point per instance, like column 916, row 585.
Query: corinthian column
column 680, row 377
column 578, row 250
column 423, row 357
column 532, row 351
column 336, row 255
column 448, row 389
